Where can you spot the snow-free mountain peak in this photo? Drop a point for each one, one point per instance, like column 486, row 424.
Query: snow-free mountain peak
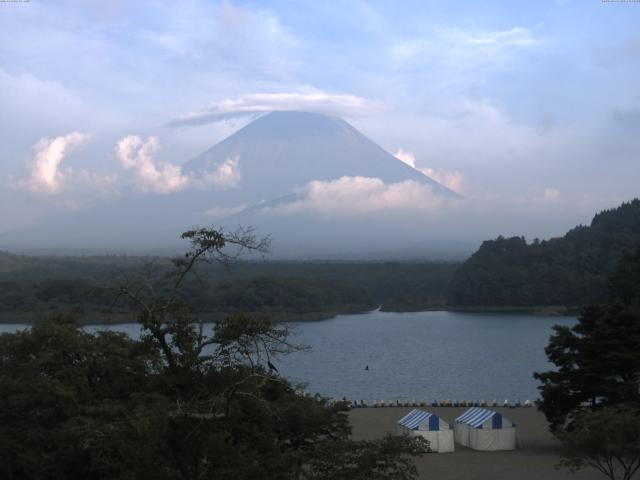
column 283, row 151
column 264, row 167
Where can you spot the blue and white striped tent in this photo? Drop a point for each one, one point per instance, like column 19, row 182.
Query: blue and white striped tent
column 482, row 429
column 429, row 426
column 476, row 417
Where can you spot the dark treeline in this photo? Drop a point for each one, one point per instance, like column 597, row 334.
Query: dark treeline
column 591, row 397
column 569, row 271
column 283, row 290
column 572, row 270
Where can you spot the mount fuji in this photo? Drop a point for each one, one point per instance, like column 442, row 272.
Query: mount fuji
column 270, row 162
column 282, row 151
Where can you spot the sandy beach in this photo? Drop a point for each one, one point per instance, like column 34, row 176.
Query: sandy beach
column 535, row 459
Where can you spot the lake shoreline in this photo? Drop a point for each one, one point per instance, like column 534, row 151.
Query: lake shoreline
column 98, row 318
column 542, row 310
column 101, row 318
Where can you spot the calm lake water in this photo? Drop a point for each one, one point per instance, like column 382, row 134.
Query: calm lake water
column 422, row 356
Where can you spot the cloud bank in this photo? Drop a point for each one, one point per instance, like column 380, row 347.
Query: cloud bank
column 46, row 175
column 45, row 167
column 152, row 176
column 451, row 180
column 227, row 175
column 218, row 212
column 355, row 196
column 514, row 37
column 551, row 194
column 257, row 103
column 155, row 176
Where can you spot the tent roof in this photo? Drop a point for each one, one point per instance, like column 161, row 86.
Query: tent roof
column 416, row 417
column 475, row 417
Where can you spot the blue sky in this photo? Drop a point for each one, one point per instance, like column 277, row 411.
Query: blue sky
column 530, row 104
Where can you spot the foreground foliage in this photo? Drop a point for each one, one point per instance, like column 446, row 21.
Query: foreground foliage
column 592, row 399
column 597, row 360
column 607, row 440
column 181, row 403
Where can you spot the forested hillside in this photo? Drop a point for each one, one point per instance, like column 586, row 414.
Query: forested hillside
column 572, row 270
column 32, row 287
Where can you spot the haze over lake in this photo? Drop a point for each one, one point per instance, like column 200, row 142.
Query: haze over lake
column 422, row 355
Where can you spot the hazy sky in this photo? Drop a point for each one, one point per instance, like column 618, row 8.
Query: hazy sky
column 531, row 107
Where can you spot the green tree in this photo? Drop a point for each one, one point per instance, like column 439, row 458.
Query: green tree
column 597, row 360
column 572, row 270
column 72, row 404
column 180, row 403
column 625, row 282
column 388, row 459
column 607, row 440
column 592, row 399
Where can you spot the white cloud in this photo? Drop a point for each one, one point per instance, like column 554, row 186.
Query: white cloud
column 154, row 176
column 63, row 187
column 407, row 157
column 45, row 168
column 453, row 45
column 226, row 175
column 204, row 32
column 514, row 37
column 218, row 212
column 452, row 63
column 347, row 196
column 452, row 180
column 257, row 103
column 551, row 194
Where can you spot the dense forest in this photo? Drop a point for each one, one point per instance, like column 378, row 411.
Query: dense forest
column 31, row 287
column 571, row 271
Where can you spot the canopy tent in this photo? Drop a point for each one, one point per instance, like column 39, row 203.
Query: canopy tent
column 429, row 426
column 482, row 429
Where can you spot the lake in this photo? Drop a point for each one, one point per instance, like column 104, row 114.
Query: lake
column 418, row 355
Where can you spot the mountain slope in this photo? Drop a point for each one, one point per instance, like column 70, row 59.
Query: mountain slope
column 571, row 270
column 267, row 161
column 282, row 151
